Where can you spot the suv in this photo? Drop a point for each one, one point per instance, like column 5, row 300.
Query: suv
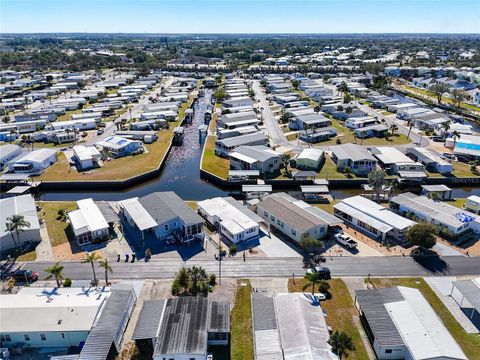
column 323, row 271
column 345, row 240
column 25, row 275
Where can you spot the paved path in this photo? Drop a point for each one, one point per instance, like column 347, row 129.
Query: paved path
column 281, row 267
column 44, row 248
column 276, row 134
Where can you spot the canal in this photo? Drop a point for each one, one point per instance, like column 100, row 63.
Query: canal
column 180, row 173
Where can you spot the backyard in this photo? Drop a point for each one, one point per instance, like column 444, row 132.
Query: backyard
column 241, row 323
column 212, row 163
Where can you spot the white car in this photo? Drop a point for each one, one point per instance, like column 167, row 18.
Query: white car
column 345, row 240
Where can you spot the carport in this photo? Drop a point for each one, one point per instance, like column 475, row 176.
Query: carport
column 467, row 295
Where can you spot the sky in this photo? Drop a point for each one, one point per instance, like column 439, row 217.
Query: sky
column 240, row 16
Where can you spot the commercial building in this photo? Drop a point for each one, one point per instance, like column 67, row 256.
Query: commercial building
column 455, row 220
column 401, row 324
column 295, row 218
column 356, row 157
column 34, row 162
column 372, row 218
column 182, row 328
column 234, row 221
column 88, row 223
column 289, row 327
column 23, row 205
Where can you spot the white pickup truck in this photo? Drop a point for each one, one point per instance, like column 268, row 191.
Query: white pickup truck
column 345, row 240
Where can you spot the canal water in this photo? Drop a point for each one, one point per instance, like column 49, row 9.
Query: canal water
column 180, row 173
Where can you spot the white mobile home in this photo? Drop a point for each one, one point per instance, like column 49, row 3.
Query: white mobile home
column 86, row 157
column 34, row 162
column 8, row 152
column 87, row 222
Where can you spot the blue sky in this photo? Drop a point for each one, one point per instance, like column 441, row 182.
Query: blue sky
column 235, row 16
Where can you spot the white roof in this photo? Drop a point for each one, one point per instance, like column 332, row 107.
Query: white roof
column 474, row 198
column 115, row 142
column 23, row 205
column 374, row 214
column 85, row 152
column 234, row 220
column 137, row 212
column 36, row 156
column 421, row 329
column 87, row 218
column 390, row 155
column 311, row 154
column 39, row 309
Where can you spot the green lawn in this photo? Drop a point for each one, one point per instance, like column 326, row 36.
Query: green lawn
column 327, row 207
column 329, row 171
column 457, row 202
column 212, row 163
column 341, row 313
column 30, row 256
column 192, row 205
column 241, row 324
column 459, row 170
column 470, row 343
column 57, row 229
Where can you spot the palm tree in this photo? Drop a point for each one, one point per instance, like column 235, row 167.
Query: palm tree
column 341, row 343
column 313, row 278
column 106, row 266
column 393, row 129
column 15, row 224
column 91, row 258
column 376, row 179
column 455, row 136
column 410, row 127
column 445, row 128
column 198, row 279
column 56, row 271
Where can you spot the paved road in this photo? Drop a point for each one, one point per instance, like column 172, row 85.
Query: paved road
column 136, row 110
column 280, row 267
column 276, row 134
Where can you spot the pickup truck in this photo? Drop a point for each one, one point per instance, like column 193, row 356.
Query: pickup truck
column 345, row 240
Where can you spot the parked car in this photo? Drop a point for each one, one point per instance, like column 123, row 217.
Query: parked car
column 323, row 271
column 449, row 156
column 100, row 131
column 345, row 240
column 438, row 138
column 25, row 275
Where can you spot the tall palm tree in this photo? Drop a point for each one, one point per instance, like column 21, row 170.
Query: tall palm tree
column 313, row 279
column 393, row 129
column 341, row 343
column 410, row 127
column 91, row 258
column 106, row 266
column 455, row 136
column 15, row 224
column 445, row 128
column 56, row 271
column 376, row 179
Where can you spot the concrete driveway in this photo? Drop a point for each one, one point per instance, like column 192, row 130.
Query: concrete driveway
column 272, row 246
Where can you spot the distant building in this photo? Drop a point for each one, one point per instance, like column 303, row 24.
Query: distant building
column 117, row 146
column 33, row 162
column 401, row 324
column 8, row 152
column 309, row 159
column 86, row 157
column 225, row 146
column 356, row 157
column 259, row 157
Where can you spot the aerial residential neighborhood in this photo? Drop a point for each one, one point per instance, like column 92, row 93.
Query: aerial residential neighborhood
column 239, row 180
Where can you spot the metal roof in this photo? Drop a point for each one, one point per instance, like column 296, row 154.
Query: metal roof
column 166, row 206
column 470, row 291
column 108, row 331
column 314, row 188
column 183, row 329
column 372, row 305
column 243, row 140
column 436, row 188
column 107, row 211
column 266, row 336
column 137, row 212
column 149, row 319
column 219, row 313
column 255, row 188
column 353, row 152
column 244, row 173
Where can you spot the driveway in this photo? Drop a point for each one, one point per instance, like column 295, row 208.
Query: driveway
column 272, row 246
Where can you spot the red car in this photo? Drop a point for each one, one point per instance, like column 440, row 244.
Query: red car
column 25, row 275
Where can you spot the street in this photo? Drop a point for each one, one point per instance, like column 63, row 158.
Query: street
column 276, row 134
column 278, row 267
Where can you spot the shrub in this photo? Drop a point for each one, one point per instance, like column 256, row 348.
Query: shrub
column 232, row 250
column 212, row 280
column 67, row 282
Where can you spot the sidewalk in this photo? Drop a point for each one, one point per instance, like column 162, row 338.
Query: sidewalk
column 44, row 248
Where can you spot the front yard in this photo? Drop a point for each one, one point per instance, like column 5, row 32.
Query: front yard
column 341, row 313
column 212, row 163
column 241, row 323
